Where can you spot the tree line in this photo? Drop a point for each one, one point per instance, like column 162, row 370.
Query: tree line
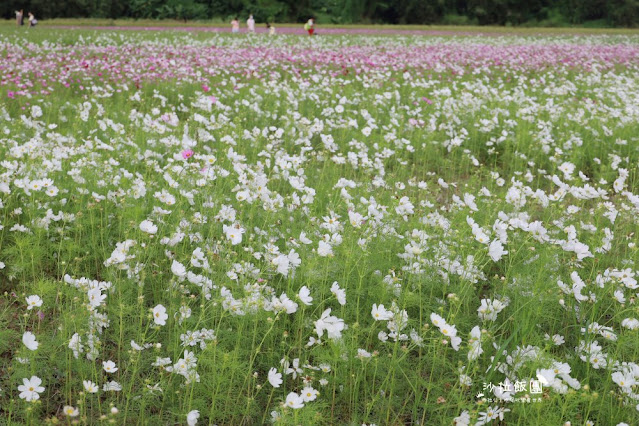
column 603, row 13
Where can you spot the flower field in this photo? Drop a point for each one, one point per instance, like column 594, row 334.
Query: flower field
column 200, row 228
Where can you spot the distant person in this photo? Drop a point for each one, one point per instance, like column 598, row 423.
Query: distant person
column 250, row 23
column 310, row 26
column 271, row 28
column 18, row 18
column 235, row 25
column 32, row 20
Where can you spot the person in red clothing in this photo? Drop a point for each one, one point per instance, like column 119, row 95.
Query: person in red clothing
column 310, row 26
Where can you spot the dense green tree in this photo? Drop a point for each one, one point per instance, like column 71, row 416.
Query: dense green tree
column 623, row 13
column 484, row 12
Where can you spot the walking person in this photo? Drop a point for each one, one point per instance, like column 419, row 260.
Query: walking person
column 32, row 20
column 235, row 25
column 19, row 17
column 250, row 23
column 310, row 26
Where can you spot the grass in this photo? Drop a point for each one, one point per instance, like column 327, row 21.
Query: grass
column 112, row 160
column 575, row 30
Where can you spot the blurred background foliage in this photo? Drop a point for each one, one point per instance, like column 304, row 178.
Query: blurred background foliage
column 550, row 13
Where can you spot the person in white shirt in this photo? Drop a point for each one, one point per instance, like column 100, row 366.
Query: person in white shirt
column 32, row 20
column 250, row 23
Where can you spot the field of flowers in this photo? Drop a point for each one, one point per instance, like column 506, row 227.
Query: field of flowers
column 344, row 229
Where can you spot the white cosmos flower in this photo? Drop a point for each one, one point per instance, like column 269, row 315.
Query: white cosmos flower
column 380, row 313
column 30, row 389
column 75, row 344
column 324, row 249
column 36, row 111
column 274, row 378
column 96, row 297
column 70, row 411
column 233, row 233
column 437, row 320
column 502, row 392
column 191, row 417
column 109, row 366
column 178, row 269
column 33, row 301
column 159, row 315
column 363, row 353
column 329, row 323
column 630, row 323
column 112, row 386
column 339, row 293
column 490, row 414
column 282, row 264
column 463, row 419
column 496, row 250
column 89, row 386
column 309, row 394
column 448, row 330
column 149, row 227
column 304, row 239
column 305, row 296
column 161, row 362
column 29, row 340
column 455, row 341
column 294, row 401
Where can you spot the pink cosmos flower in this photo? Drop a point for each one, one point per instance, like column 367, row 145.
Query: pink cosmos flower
column 187, row 153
